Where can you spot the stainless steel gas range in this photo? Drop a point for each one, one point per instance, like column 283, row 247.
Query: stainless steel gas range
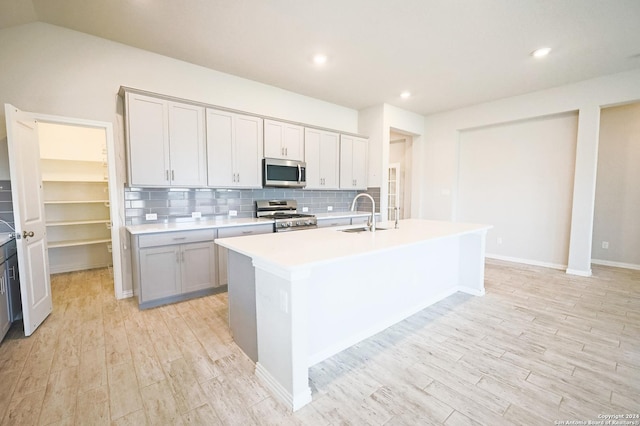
column 285, row 215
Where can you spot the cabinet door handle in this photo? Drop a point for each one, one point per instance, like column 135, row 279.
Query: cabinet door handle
column 166, row 174
column 12, row 272
column 282, row 151
column 286, row 152
column 178, row 257
column 173, row 175
column 238, row 178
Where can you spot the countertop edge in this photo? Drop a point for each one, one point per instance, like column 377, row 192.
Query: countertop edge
column 155, row 228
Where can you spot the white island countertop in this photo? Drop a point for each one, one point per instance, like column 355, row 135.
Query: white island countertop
column 297, row 298
column 291, row 250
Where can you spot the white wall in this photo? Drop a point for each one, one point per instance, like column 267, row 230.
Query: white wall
column 400, row 151
column 440, row 154
column 51, row 70
column 63, row 142
column 617, row 208
column 378, row 122
column 519, row 178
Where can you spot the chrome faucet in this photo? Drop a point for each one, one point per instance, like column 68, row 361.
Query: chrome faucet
column 371, row 223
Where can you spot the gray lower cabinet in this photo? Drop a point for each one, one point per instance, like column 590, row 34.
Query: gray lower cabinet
column 173, row 266
column 13, row 285
column 236, row 231
column 5, row 320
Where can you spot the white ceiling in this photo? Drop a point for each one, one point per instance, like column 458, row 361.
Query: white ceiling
column 448, row 53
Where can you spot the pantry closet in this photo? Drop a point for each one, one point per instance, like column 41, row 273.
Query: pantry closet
column 75, row 179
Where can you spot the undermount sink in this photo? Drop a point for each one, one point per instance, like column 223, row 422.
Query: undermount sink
column 361, row 229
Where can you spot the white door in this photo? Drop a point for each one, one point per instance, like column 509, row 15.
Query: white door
column 28, row 210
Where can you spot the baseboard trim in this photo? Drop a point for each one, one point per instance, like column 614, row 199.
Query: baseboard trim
column 579, row 272
column 293, row 401
column 616, row 264
column 526, row 261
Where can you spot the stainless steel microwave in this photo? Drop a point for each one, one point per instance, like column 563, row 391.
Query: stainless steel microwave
column 283, row 173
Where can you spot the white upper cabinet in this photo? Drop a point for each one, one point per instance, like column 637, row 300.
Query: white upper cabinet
column 353, row 162
column 321, row 150
column 234, row 149
column 187, row 146
column 166, row 144
column 283, row 140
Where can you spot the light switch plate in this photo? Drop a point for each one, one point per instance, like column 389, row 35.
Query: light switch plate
column 151, row 216
column 305, row 209
column 233, row 212
column 196, row 215
column 329, row 208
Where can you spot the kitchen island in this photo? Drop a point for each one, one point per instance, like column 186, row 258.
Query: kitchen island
column 311, row 294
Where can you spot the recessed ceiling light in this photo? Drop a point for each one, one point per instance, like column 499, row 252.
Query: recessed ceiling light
column 541, row 53
column 320, row 59
column 405, row 95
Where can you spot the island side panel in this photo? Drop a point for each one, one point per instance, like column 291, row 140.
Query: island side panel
column 242, row 303
column 472, row 261
column 356, row 298
column 283, row 334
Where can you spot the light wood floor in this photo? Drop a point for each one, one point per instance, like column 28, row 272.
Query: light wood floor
column 540, row 346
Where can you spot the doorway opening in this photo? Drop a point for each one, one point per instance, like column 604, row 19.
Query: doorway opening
column 75, row 181
column 399, row 175
column 77, row 162
column 61, row 167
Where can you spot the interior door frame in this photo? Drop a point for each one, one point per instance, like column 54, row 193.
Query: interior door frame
column 114, row 194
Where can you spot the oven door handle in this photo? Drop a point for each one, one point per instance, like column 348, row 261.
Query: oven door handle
column 299, row 173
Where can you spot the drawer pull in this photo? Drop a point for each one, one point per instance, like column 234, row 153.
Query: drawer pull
column 179, row 238
column 247, row 232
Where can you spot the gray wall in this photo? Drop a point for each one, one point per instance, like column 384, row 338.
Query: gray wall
column 617, row 207
column 6, row 206
column 518, row 177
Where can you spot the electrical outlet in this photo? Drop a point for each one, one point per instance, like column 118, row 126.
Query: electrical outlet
column 151, row 216
column 196, row 215
column 329, row 208
column 305, row 210
column 605, row 244
column 499, row 240
column 233, row 212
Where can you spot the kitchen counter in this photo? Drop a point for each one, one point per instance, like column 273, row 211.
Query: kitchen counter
column 309, row 295
column 188, row 225
column 342, row 215
column 152, row 228
column 5, row 237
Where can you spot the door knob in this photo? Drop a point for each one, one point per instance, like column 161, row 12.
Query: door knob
column 26, row 234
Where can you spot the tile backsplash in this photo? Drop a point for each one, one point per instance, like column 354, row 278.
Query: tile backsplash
column 174, row 204
column 6, row 206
